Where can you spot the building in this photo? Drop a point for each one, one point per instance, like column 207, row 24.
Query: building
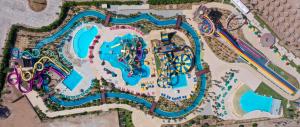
column 241, row 6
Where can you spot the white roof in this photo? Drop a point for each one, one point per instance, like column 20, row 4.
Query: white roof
column 241, row 6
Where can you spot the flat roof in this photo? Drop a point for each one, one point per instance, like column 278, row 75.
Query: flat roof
column 241, row 6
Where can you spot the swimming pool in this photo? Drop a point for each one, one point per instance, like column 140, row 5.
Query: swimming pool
column 160, row 112
column 83, row 39
column 250, row 101
column 111, row 51
column 179, row 81
column 72, row 80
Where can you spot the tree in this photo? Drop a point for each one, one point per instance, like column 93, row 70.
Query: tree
column 205, row 125
column 254, row 125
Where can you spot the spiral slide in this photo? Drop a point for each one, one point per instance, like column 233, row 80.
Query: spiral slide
column 35, row 68
column 31, row 82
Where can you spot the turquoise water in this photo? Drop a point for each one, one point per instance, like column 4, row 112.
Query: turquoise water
column 72, row 80
column 179, row 81
column 251, row 101
column 111, row 52
column 172, row 22
column 83, row 40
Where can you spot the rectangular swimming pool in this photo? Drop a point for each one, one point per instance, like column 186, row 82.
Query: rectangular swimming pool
column 72, row 80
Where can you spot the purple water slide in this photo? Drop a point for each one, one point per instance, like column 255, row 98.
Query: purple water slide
column 31, row 82
column 57, row 72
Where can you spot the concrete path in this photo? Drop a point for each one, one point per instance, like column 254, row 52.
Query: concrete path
column 255, row 41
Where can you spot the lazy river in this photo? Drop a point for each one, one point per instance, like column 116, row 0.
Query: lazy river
column 172, row 22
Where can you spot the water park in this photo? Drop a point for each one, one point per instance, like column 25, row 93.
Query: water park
column 169, row 67
column 88, row 61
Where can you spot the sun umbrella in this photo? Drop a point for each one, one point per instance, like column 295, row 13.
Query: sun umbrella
column 283, row 1
column 277, row 3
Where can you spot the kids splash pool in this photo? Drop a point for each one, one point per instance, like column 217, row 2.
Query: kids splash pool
column 72, row 80
column 127, row 53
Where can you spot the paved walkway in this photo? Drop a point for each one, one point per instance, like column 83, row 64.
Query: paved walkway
column 18, row 12
column 254, row 40
column 274, row 58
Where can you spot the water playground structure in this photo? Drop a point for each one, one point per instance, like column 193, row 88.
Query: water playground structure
column 176, row 60
column 36, row 76
column 132, row 54
column 125, row 52
column 128, row 54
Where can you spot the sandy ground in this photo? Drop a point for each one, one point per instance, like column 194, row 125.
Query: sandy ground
column 22, row 114
column 19, row 12
column 37, row 5
column 105, row 119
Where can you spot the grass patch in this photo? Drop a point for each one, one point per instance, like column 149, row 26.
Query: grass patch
column 125, row 119
column 291, row 79
column 264, row 89
column 161, row 2
column 293, row 64
column 227, row 1
column 263, row 24
column 157, row 63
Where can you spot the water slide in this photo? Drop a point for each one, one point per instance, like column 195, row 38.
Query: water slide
column 31, row 82
column 212, row 29
column 35, row 68
column 57, row 72
column 171, row 22
column 261, row 67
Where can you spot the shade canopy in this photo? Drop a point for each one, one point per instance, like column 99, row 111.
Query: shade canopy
column 183, row 63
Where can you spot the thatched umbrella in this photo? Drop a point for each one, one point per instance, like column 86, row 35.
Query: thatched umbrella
column 286, row 34
column 298, row 40
column 267, row 4
column 282, row 28
column 270, row 18
column 292, row 20
column 276, row 23
column 283, row 1
column 266, row 13
column 287, row 25
column 298, row 16
column 276, row 14
column 297, row 24
column 292, row 30
column 288, row 6
column 271, row 9
column 297, row 35
column 254, row 2
column 277, row 3
column 298, row 6
column 280, row 8
column 292, row 39
column 281, row 19
column 293, row 11
column 286, row 14
column 261, row 7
